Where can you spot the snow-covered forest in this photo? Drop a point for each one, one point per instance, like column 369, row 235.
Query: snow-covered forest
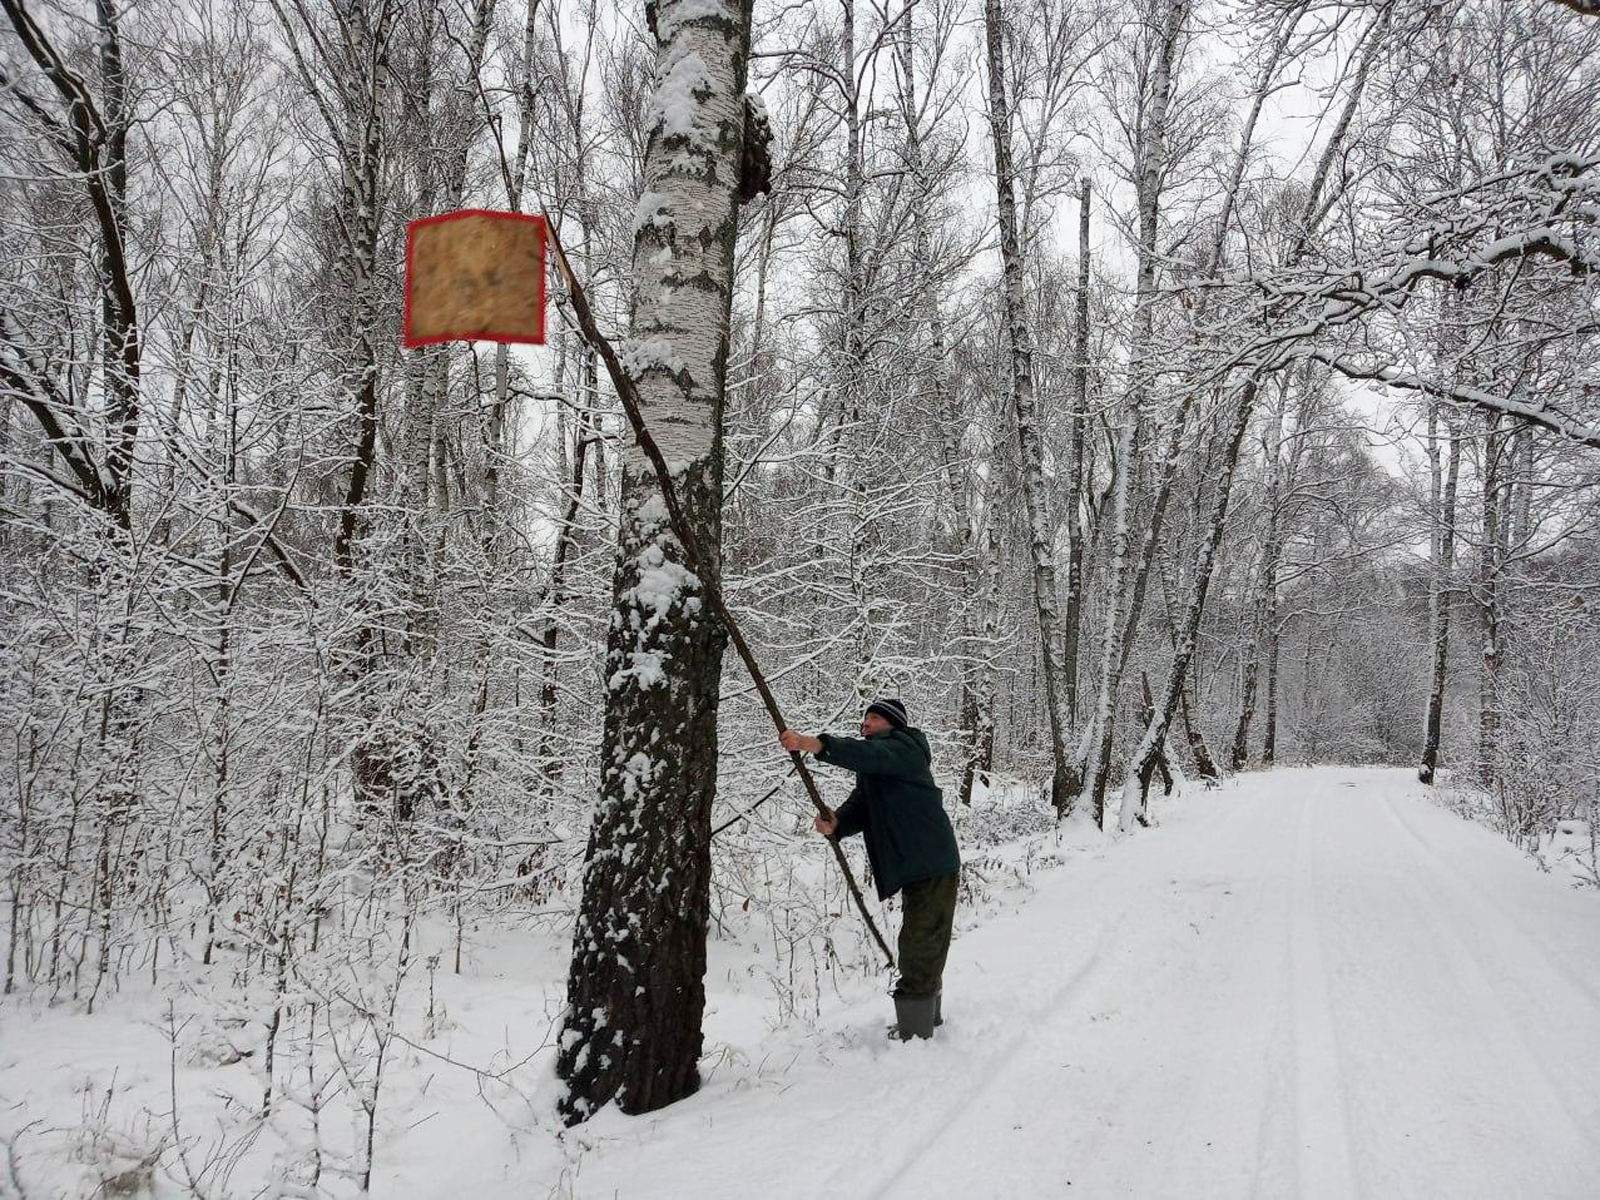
column 1146, row 392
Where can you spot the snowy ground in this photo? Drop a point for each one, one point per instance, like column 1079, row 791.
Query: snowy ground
column 1307, row 983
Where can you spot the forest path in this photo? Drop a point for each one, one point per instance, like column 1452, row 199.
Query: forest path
column 1309, row 982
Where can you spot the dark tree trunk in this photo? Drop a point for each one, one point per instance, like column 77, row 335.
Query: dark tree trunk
column 1489, row 606
column 1269, row 739
column 93, row 138
column 1441, row 614
column 556, row 595
column 1205, row 766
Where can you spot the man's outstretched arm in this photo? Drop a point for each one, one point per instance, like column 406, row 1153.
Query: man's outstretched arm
column 874, row 756
column 850, row 818
column 792, row 741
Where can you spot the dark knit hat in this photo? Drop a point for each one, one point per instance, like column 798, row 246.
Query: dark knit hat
column 892, row 711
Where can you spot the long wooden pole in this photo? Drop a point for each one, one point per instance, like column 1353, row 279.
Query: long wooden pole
column 699, row 562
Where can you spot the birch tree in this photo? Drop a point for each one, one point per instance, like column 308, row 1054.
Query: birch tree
column 636, row 990
column 1019, row 339
column 1152, row 152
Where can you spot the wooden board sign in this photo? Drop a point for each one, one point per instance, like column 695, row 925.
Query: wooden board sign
column 475, row 275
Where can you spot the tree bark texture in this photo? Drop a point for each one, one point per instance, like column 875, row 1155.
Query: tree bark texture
column 1030, row 444
column 1443, row 565
column 636, row 988
column 1076, row 534
column 1152, row 162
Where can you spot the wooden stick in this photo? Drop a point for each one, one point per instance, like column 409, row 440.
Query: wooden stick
column 698, row 561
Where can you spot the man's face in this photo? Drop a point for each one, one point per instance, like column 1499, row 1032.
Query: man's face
column 874, row 723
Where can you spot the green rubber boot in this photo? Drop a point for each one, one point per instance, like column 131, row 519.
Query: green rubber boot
column 913, row 1018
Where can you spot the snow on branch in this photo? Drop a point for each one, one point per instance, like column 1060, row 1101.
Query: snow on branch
column 1588, row 435
column 1545, row 211
column 29, row 381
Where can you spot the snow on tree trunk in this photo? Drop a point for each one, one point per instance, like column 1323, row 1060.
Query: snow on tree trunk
column 1313, row 212
column 1143, row 763
column 1269, row 737
column 120, row 325
column 1013, row 306
column 1205, row 766
column 974, row 699
column 636, row 988
column 514, row 178
column 1080, row 418
column 1152, row 161
column 1489, row 606
column 1266, row 602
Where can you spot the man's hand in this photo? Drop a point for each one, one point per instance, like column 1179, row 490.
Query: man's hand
column 792, row 741
column 825, row 825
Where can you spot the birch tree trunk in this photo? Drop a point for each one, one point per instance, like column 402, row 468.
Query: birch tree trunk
column 1205, row 766
column 1137, row 782
column 975, row 698
column 1171, row 456
column 1152, row 160
column 1079, row 418
column 636, row 988
column 1031, row 445
column 1145, row 757
column 1266, row 602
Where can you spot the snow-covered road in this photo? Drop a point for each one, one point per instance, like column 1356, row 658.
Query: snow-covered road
column 1309, row 983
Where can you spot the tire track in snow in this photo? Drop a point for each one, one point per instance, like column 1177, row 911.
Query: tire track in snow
column 1322, row 1122
column 1466, row 964
column 996, row 1068
column 1051, row 1026
column 1238, row 1023
column 1453, row 878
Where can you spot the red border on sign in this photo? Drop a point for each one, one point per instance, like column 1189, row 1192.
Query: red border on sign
column 515, row 339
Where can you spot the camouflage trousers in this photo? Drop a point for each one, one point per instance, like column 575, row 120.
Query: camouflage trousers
column 928, row 907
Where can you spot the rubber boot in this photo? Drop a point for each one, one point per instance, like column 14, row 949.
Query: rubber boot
column 913, row 1018
column 938, row 1007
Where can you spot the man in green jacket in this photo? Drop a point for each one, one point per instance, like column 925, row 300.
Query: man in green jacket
column 899, row 812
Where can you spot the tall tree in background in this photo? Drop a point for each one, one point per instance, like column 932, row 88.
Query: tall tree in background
column 1020, row 341
column 92, row 138
column 1443, row 530
column 636, row 989
column 1151, row 164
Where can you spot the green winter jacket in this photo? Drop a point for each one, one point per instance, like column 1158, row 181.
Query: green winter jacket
column 895, row 806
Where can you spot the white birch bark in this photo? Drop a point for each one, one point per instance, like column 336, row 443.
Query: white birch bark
column 1031, row 445
column 1076, row 533
column 1315, row 209
column 636, row 989
column 1152, row 161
